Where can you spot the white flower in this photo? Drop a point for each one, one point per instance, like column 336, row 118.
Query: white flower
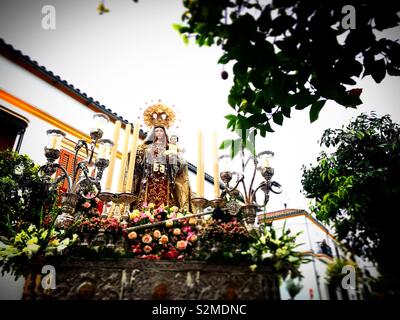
column 266, row 255
column 30, row 249
column 253, row 267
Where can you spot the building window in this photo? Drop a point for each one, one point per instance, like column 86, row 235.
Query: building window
column 324, row 248
column 12, row 129
column 66, row 160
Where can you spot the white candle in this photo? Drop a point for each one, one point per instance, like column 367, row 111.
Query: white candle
column 200, row 165
column 114, row 149
column 124, row 157
column 53, row 142
column 215, row 166
column 132, row 160
column 102, row 152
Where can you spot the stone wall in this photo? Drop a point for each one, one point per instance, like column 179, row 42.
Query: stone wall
column 135, row 279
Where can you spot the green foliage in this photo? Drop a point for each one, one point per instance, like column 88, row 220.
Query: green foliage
column 334, row 274
column 24, row 198
column 28, row 213
column 293, row 288
column 267, row 248
column 293, row 54
column 356, row 187
column 32, row 245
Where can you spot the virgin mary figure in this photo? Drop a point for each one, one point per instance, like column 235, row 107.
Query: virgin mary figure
column 157, row 179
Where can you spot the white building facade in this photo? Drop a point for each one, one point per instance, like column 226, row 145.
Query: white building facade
column 319, row 244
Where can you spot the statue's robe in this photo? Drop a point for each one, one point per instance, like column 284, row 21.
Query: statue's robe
column 155, row 183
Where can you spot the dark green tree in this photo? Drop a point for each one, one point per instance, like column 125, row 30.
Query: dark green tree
column 294, row 54
column 24, row 197
column 356, row 189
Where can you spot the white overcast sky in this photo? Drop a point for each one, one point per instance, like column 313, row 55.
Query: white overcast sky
column 132, row 55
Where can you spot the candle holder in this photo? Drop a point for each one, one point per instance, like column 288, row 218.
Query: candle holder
column 107, row 198
column 126, row 199
column 116, row 214
column 199, row 204
column 218, row 203
column 231, row 194
column 68, row 204
column 79, row 183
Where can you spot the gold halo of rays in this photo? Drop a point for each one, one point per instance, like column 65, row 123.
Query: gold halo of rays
column 159, row 114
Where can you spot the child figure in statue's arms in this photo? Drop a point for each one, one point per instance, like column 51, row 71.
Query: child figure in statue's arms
column 173, row 152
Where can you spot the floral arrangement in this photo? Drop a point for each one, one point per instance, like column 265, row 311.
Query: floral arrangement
column 223, row 241
column 170, row 240
column 89, row 207
column 90, row 226
column 33, row 245
column 277, row 252
column 112, row 229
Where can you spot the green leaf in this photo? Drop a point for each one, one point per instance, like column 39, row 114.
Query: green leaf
column 315, row 109
column 286, row 110
column 268, row 127
column 225, row 58
column 225, row 144
column 378, row 70
column 233, row 100
column 278, row 118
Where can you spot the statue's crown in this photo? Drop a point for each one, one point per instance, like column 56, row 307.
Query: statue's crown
column 159, row 114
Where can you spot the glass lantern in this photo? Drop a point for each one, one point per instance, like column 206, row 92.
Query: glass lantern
column 265, row 158
column 55, row 137
column 105, row 146
column 100, row 121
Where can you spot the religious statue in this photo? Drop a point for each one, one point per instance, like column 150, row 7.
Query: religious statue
column 174, row 151
column 161, row 173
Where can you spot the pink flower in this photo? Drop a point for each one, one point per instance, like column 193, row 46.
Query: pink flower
column 86, row 205
column 186, row 229
column 157, row 234
column 164, row 239
column 181, row 245
column 132, row 235
column 147, row 238
column 192, row 237
column 147, row 249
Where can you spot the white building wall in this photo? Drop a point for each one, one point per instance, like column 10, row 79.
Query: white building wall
column 310, row 235
column 45, row 97
column 42, row 95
